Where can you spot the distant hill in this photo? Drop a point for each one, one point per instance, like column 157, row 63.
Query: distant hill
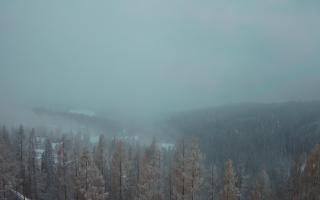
column 84, row 119
column 258, row 133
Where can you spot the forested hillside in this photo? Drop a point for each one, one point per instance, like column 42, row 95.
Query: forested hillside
column 261, row 151
column 263, row 133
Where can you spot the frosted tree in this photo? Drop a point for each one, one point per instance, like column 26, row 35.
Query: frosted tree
column 265, row 185
column 90, row 181
column 96, row 190
column 62, row 170
column 76, row 153
column 149, row 182
column 179, row 172
column 212, row 182
column 100, row 153
column 312, row 175
column 262, row 187
column 133, row 172
column 188, row 171
column 19, row 144
column 8, row 165
column 195, row 170
column 65, row 168
column 244, row 181
column 118, row 171
column 230, row 190
column 100, row 158
column 295, row 179
column 168, row 185
column 48, row 171
column 32, row 168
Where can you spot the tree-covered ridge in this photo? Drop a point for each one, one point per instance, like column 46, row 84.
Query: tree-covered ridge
column 69, row 166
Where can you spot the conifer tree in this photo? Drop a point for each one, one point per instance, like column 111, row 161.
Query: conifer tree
column 8, row 165
column 19, row 144
column 179, row 172
column 212, row 183
column 263, row 187
column 100, row 158
column 32, row 168
column 89, row 180
column 65, row 167
column 195, row 170
column 296, row 179
column 149, row 183
column 312, row 175
column 118, row 171
column 48, row 171
column 230, row 190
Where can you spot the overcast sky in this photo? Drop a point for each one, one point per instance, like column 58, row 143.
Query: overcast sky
column 144, row 57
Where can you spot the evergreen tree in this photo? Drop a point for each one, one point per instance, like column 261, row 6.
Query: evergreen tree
column 100, row 158
column 295, row 179
column 19, row 144
column 48, row 172
column 64, row 169
column 195, row 170
column 312, row 175
column 89, row 180
column 263, row 187
column 213, row 183
column 8, row 165
column 134, row 169
column 230, row 190
column 149, row 181
column 118, row 171
column 180, row 173
column 32, row 169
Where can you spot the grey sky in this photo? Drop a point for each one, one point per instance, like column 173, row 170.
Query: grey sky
column 144, row 57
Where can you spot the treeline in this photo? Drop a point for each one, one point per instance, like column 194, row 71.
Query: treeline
column 68, row 166
column 254, row 137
